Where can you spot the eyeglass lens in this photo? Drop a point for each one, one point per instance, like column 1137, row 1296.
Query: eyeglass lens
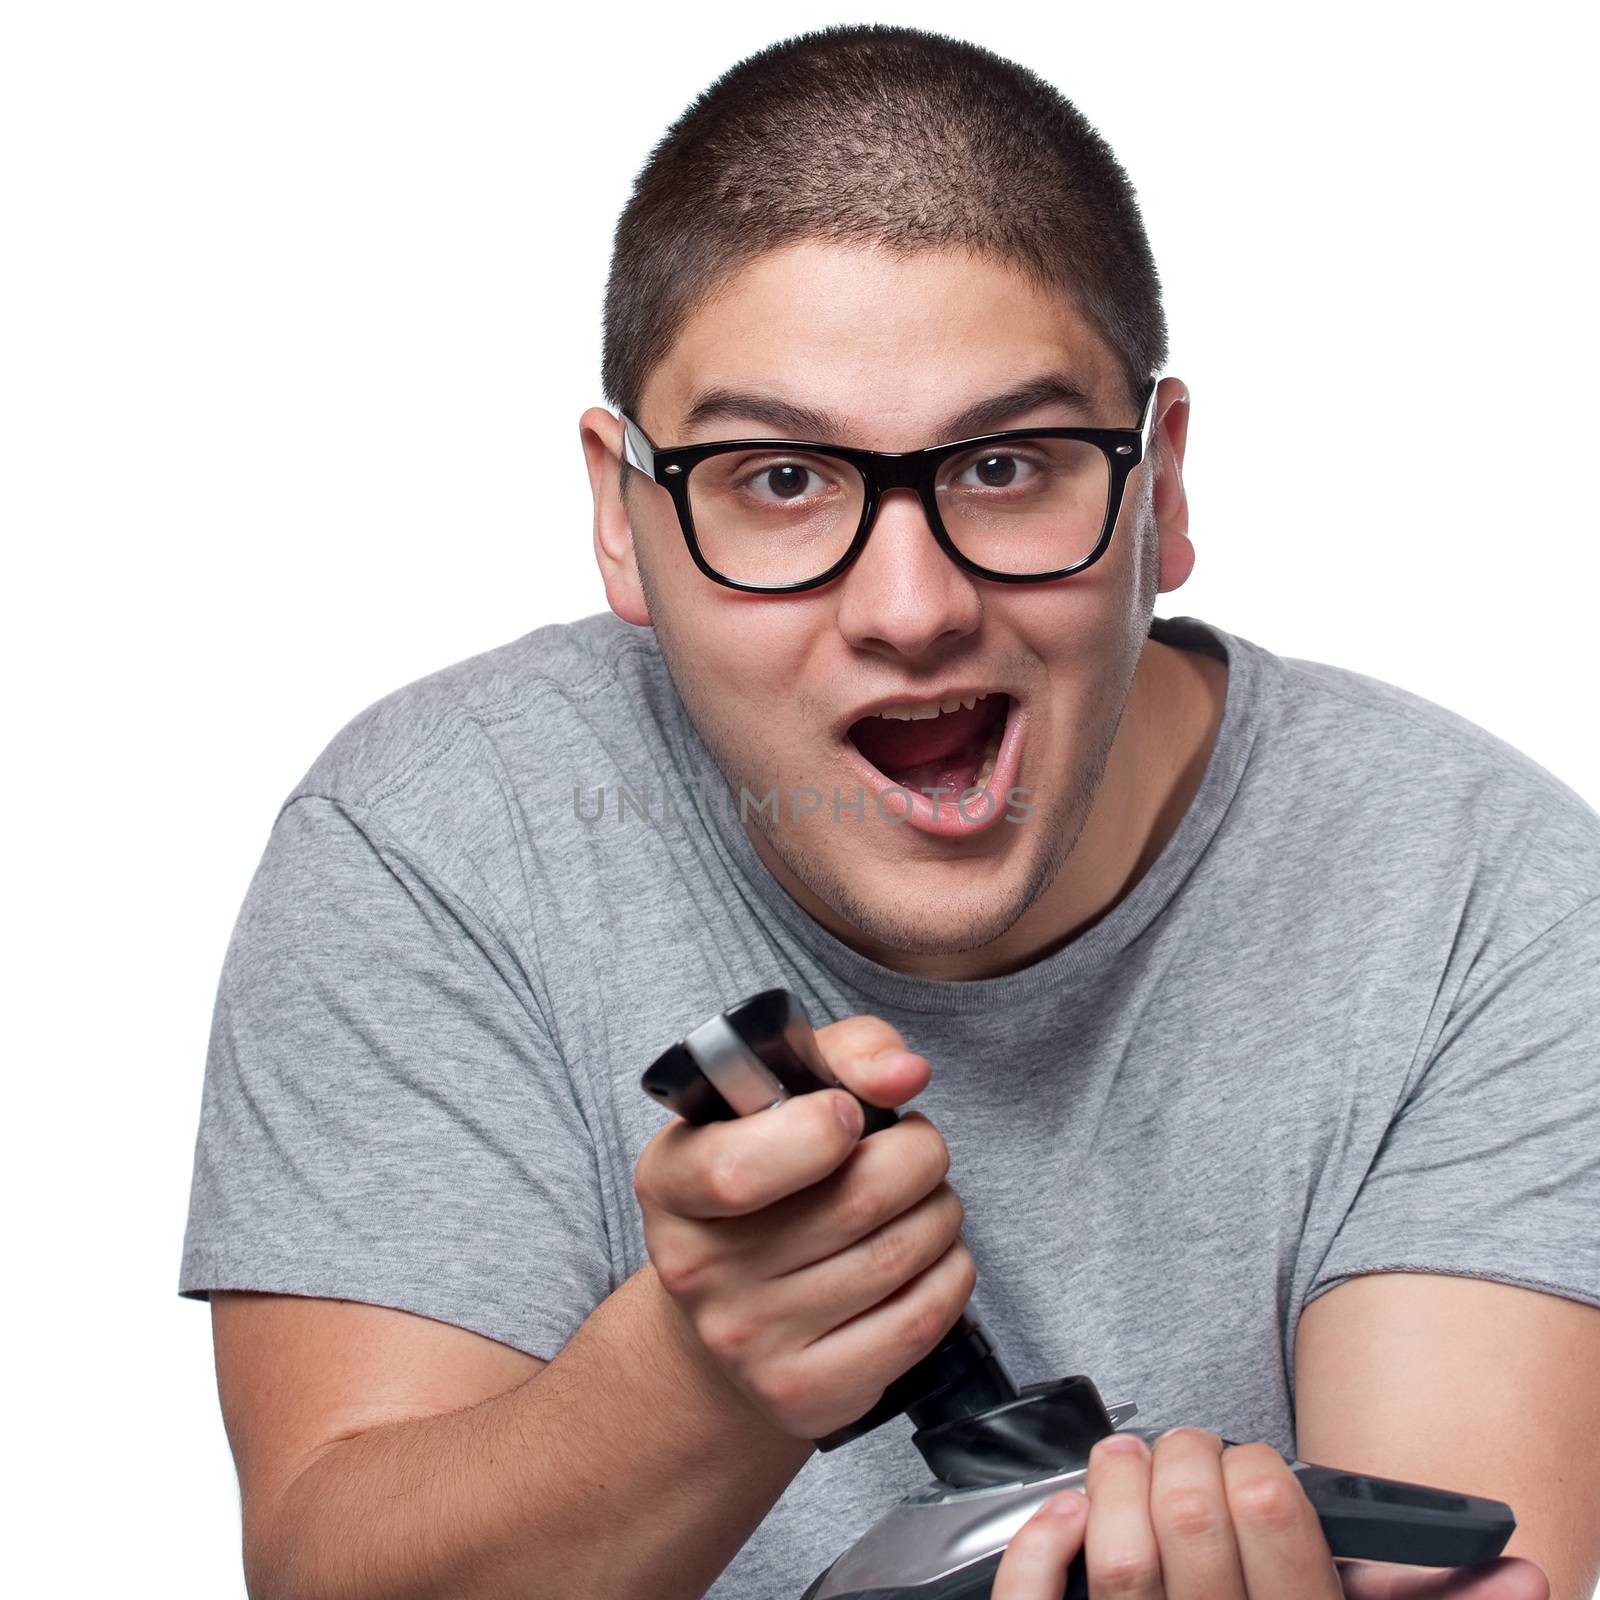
column 1024, row 506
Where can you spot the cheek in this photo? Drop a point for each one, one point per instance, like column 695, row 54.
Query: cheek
column 1080, row 626
column 744, row 694
column 761, row 656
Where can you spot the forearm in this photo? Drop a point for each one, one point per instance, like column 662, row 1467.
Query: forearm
column 628, row 1465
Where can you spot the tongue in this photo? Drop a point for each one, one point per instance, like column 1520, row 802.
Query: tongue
column 932, row 752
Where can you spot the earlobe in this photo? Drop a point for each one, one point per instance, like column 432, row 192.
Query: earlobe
column 614, row 552
column 1177, row 561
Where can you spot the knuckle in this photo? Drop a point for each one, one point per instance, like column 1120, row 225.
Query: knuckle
column 923, row 1325
column 890, row 1252
column 1188, row 1513
column 728, row 1181
column 860, row 1206
column 727, row 1332
column 823, row 1109
column 647, row 1179
column 1267, row 1504
column 779, row 1388
column 1123, row 1571
column 677, row 1266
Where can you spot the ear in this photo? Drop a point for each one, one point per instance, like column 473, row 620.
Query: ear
column 601, row 433
column 1168, row 497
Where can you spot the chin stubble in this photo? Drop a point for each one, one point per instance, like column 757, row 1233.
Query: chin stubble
column 905, row 927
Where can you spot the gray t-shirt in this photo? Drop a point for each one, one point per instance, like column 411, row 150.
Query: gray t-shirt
column 1348, row 1021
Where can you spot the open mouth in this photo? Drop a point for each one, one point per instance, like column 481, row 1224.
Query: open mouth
column 951, row 747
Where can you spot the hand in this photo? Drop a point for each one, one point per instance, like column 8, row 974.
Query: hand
column 814, row 1265
column 1190, row 1520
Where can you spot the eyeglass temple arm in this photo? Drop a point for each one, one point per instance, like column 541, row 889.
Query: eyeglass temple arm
column 636, row 449
column 1147, row 423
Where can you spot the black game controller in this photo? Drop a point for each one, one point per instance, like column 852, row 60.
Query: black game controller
column 998, row 1452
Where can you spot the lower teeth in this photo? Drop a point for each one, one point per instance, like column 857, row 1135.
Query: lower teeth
column 991, row 752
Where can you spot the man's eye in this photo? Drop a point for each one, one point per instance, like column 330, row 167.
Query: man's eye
column 779, row 481
column 789, row 480
column 997, row 469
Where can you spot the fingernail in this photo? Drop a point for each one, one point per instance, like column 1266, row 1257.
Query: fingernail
column 1122, row 1444
column 1069, row 1503
column 851, row 1117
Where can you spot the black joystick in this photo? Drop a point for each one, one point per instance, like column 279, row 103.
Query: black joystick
column 998, row 1452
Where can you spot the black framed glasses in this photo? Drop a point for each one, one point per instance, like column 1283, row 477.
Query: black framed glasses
column 773, row 516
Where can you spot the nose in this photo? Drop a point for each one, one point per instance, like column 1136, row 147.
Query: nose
column 903, row 595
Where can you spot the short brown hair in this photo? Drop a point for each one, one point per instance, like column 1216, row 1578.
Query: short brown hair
column 885, row 135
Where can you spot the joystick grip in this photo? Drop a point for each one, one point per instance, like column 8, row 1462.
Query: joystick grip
column 749, row 1058
column 744, row 1060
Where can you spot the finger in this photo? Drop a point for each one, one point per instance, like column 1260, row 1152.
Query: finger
column 727, row 1169
column 1120, row 1551
column 829, row 1292
column 870, row 1058
column 1189, row 1509
column 877, row 1185
column 1035, row 1564
column 902, row 1328
column 861, row 1035
column 1507, row 1578
column 1281, row 1545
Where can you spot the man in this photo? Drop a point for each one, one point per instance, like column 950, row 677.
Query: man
column 1247, row 1003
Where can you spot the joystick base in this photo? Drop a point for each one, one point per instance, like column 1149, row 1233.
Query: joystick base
column 1048, row 1428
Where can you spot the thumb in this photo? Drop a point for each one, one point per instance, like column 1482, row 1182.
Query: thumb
column 1507, row 1578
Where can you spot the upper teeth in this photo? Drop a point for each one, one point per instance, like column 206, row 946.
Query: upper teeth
column 916, row 713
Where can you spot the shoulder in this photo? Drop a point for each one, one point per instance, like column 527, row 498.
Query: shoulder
column 1380, row 808
column 1431, row 792
column 424, row 733
column 1387, row 714
column 1380, row 731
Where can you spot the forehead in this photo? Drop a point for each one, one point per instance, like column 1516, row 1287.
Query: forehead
column 886, row 343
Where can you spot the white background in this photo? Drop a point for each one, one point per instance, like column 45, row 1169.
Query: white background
column 300, row 308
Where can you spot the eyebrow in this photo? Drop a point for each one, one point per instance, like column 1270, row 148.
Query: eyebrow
column 797, row 421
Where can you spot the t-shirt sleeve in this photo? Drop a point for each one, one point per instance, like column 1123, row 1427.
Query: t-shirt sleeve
column 384, row 1116
column 1491, row 1168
